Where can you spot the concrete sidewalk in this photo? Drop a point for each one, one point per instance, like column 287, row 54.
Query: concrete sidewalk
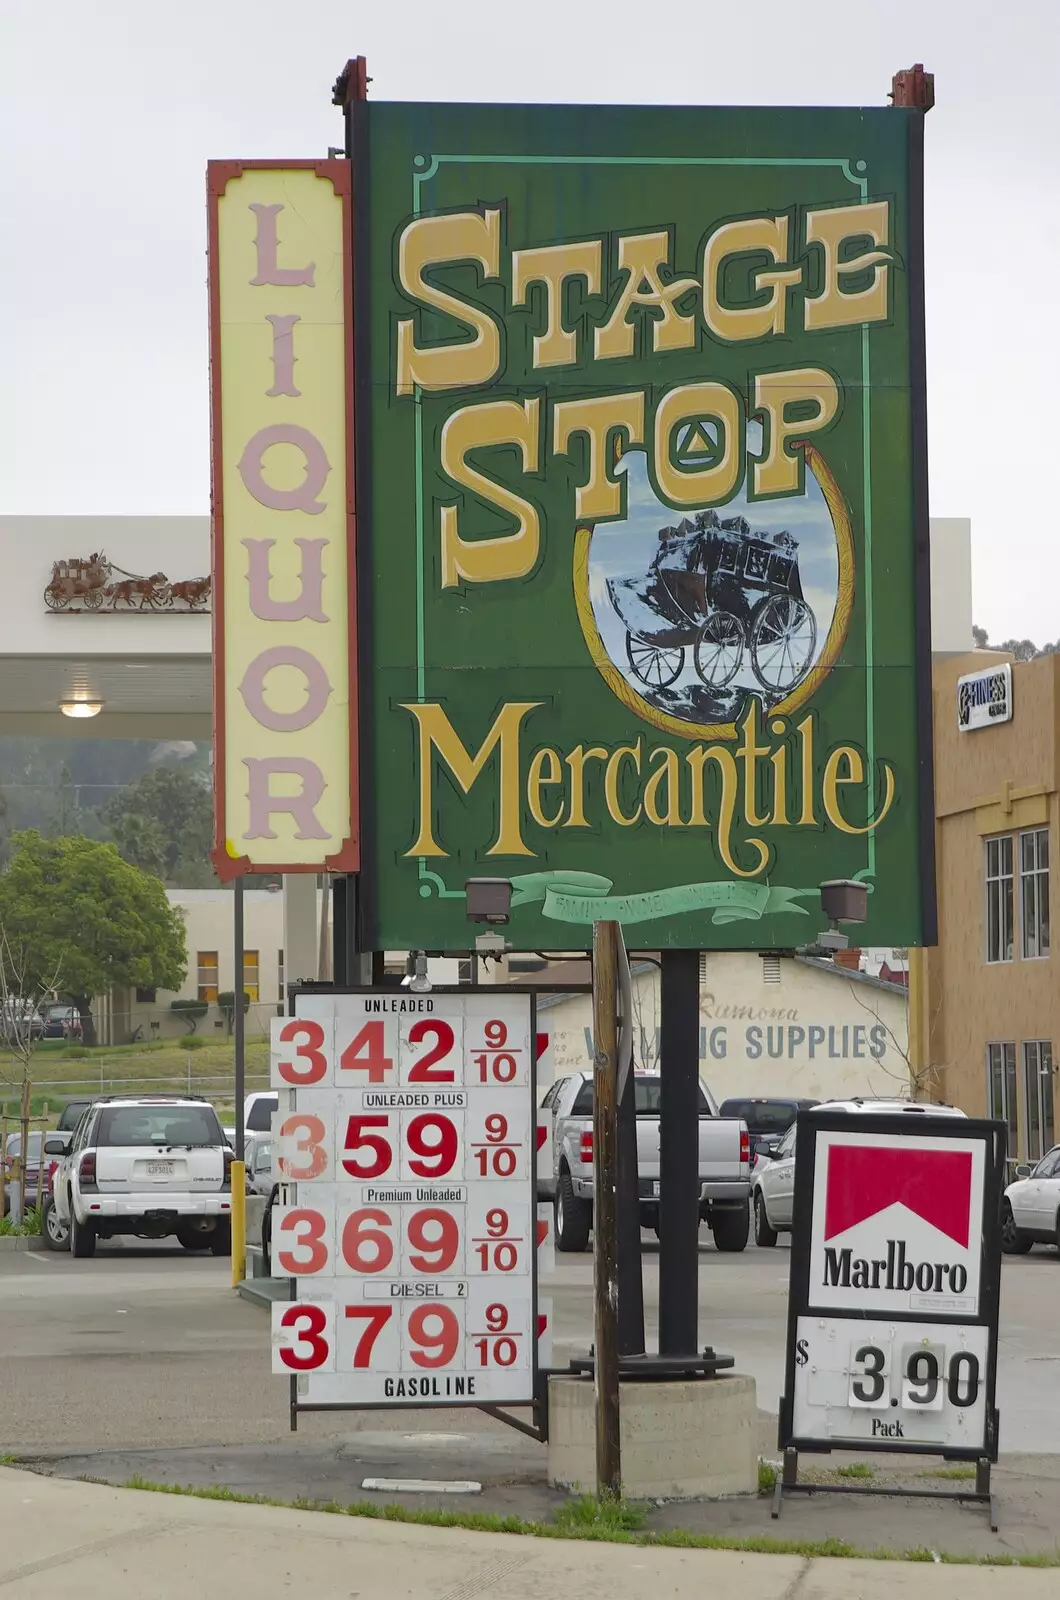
column 120, row 1544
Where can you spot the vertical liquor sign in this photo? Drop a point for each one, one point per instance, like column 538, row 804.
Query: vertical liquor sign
column 895, row 1282
column 411, row 1231
column 282, row 512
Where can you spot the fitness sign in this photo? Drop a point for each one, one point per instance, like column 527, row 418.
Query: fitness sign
column 410, row 1231
column 892, row 1330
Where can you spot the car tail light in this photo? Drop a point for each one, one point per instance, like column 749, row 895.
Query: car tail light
column 585, row 1149
column 745, row 1148
column 228, row 1158
column 86, row 1172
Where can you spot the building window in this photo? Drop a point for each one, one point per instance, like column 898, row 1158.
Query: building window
column 250, row 974
column 999, row 899
column 1034, row 894
column 1001, row 1062
column 206, row 961
column 146, row 997
column 1038, row 1097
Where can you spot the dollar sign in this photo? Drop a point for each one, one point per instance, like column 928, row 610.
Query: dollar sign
column 802, row 1352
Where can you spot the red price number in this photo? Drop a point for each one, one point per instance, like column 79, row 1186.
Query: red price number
column 498, row 1347
column 498, row 1149
column 430, row 1146
column 430, row 1336
column 500, row 1061
column 301, row 1241
column 303, row 1152
column 303, row 1337
column 499, row 1249
column 367, row 1052
column 429, row 1052
column 367, row 1145
column 305, row 1063
column 429, row 1241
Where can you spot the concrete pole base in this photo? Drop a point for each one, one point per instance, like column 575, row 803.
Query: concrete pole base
column 684, row 1440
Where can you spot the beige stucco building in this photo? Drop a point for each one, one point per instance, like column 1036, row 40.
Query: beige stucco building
column 990, row 1009
column 769, row 1025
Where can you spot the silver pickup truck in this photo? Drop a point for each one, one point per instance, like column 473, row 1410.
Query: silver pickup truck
column 724, row 1162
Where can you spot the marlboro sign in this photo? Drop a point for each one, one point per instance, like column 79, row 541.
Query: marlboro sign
column 895, row 1274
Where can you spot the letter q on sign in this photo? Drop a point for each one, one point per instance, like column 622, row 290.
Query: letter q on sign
column 317, row 467
column 316, row 683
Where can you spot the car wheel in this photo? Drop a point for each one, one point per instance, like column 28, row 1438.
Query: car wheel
column 765, row 1236
column 82, row 1237
column 54, row 1231
column 194, row 1238
column 220, row 1240
column 574, row 1216
column 731, row 1228
column 1013, row 1243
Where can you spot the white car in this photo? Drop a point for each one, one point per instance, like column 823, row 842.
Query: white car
column 151, row 1165
column 1030, row 1211
column 773, row 1178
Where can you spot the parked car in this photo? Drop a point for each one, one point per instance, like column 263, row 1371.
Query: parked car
column 258, row 1109
column 69, row 1118
column 31, row 1178
column 19, row 1019
column 773, row 1178
column 257, row 1156
column 60, row 1022
column 724, row 1162
column 768, row 1118
column 153, row 1166
column 1030, row 1210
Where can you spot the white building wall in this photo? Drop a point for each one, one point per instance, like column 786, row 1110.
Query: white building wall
column 951, row 585
column 818, row 1034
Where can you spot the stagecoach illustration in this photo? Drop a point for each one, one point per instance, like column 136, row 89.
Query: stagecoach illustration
column 721, row 590
column 95, row 584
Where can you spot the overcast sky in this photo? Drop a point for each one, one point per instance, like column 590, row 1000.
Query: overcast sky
column 110, row 109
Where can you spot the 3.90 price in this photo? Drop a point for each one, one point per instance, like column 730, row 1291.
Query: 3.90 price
column 336, row 1336
column 928, row 1377
column 406, row 1146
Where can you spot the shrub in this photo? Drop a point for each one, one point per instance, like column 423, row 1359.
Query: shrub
column 226, row 1000
column 192, row 1041
column 191, row 1011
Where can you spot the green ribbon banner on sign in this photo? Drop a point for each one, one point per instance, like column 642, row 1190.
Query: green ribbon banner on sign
column 587, row 897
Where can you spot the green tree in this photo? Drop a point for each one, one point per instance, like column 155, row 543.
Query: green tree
column 164, row 823
column 76, row 906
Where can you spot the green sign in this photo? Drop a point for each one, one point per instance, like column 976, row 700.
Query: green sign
column 643, row 521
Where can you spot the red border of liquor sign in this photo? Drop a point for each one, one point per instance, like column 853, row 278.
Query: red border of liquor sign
column 895, row 1285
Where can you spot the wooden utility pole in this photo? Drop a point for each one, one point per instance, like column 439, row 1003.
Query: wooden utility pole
column 605, row 1207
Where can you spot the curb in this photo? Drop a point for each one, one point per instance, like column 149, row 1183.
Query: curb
column 19, row 1241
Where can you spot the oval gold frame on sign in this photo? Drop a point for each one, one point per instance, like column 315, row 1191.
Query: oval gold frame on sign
column 844, row 605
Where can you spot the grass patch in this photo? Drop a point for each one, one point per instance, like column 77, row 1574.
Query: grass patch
column 26, row 1229
column 193, row 1041
column 953, row 1474
column 856, row 1469
column 616, row 1522
column 767, row 1477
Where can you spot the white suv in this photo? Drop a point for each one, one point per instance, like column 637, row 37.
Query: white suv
column 152, row 1165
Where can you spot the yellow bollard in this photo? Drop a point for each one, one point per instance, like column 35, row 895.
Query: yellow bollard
column 239, row 1222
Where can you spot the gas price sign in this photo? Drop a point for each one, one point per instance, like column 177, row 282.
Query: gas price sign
column 895, row 1274
column 407, row 1144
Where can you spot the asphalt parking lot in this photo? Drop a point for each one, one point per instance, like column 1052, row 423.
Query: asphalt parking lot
column 146, row 1344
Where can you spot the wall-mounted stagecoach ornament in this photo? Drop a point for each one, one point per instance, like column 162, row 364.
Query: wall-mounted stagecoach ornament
column 96, row 584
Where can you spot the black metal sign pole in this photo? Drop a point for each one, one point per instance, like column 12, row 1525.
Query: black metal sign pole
column 630, row 1276
column 679, row 1154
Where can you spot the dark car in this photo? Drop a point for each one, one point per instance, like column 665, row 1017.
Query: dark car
column 768, row 1118
column 61, row 1022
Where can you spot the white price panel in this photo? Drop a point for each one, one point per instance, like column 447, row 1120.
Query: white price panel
column 411, row 1233
column 891, row 1382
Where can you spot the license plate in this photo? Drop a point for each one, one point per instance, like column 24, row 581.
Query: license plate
column 655, row 1189
column 160, row 1169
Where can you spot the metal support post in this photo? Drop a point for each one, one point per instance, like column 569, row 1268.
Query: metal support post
column 679, row 1154
column 630, row 1275
column 239, row 1186
column 605, row 1215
